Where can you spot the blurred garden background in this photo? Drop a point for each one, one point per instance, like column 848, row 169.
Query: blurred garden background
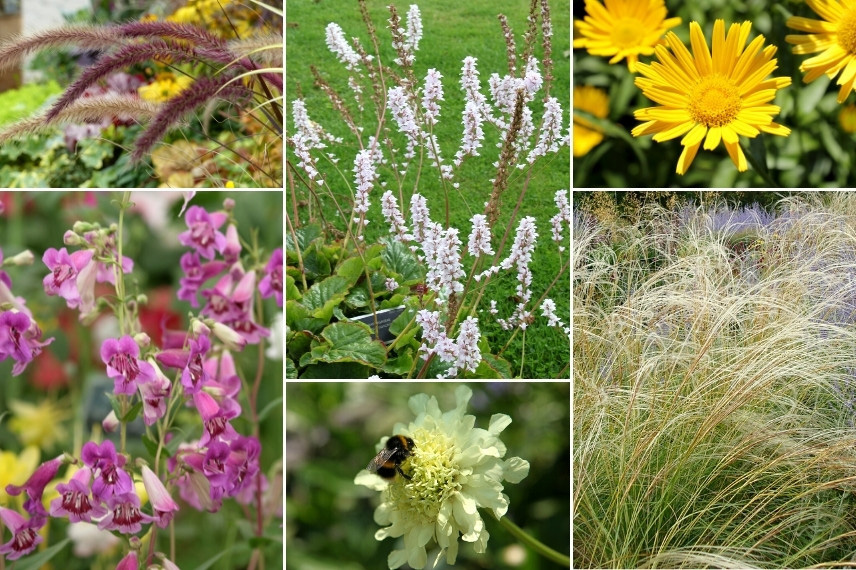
column 226, row 142
column 817, row 153
column 331, row 433
column 58, row 403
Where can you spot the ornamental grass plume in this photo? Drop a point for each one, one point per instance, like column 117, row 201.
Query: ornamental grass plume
column 623, row 29
column 708, row 429
column 454, row 470
column 711, row 95
column 834, row 36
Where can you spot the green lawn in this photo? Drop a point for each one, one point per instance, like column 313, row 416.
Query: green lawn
column 452, row 30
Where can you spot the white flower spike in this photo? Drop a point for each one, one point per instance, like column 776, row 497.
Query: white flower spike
column 454, row 470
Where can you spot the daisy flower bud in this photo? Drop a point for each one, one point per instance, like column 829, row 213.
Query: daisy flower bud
column 454, row 469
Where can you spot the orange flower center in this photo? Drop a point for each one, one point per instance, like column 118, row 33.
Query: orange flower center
column 714, row 101
column 847, row 32
column 627, row 32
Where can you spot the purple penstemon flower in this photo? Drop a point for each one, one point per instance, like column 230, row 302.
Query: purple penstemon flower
column 19, row 339
column 124, row 366
column 124, row 514
column 25, row 536
column 65, row 269
column 154, row 395
column 194, row 376
column 243, row 462
column 215, row 418
column 195, row 274
column 214, row 468
column 111, row 479
column 35, row 487
column 271, row 283
column 163, row 506
column 203, row 233
column 74, row 500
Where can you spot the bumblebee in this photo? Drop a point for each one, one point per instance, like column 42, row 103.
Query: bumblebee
column 389, row 459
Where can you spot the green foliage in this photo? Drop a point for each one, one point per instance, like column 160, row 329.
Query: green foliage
column 22, row 102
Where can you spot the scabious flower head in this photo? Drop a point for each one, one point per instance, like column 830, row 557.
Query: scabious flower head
column 455, row 469
column 624, row 29
column 834, row 36
column 203, row 232
column 712, row 95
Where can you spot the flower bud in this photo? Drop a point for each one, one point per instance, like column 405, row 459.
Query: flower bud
column 24, row 258
column 228, row 337
column 110, row 423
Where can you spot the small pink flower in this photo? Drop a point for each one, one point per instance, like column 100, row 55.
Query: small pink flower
column 123, row 365
column 124, row 514
column 25, row 536
column 163, row 506
column 74, row 500
column 65, row 268
column 129, row 562
column 154, row 395
column 35, row 487
column 203, row 233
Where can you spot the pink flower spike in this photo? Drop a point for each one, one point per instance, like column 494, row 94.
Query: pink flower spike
column 25, row 537
column 129, row 562
column 163, row 506
column 232, row 250
column 203, row 233
column 62, row 280
column 123, row 365
column 35, row 487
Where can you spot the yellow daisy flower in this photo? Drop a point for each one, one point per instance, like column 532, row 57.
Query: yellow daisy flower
column 586, row 135
column 165, row 86
column 711, row 97
column 847, row 118
column 623, row 28
column 835, row 36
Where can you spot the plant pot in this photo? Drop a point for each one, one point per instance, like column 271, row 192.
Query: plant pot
column 384, row 319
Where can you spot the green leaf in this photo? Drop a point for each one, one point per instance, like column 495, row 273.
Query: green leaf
column 290, row 369
column 114, row 403
column 400, row 323
column 399, row 365
column 323, row 296
column 133, row 412
column 299, row 343
column 349, row 342
column 336, row 370
column 351, row 269
column 305, row 236
column 271, row 405
column 315, row 263
column 94, row 152
column 36, row 561
column 291, row 291
column 358, row 297
column 401, row 261
column 394, row 301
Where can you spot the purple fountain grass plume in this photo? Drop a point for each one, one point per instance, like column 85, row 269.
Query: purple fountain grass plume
column 203, row 89
column 91, row 37
column 122, row 58
column 83, row 110
column 197, row 36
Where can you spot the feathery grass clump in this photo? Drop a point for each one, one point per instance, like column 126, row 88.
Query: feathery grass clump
column 713, row 362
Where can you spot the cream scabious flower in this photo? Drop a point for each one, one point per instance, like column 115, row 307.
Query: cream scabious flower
column 455, row 469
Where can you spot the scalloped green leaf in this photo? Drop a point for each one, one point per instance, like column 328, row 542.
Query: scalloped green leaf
column 291, row 290
column 324, row 295
column 400, row 260
column 294, row 311
column 399, row 325
column 351, row 269
column 399, row 365
column 305, row 236
column 316, row 263
column 349, row 342
column 290, row 369
column 358, row 297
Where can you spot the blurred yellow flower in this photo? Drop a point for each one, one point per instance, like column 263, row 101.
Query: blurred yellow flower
column 711, row 97
column 165, row 86
column 38, row 424
column 847, row 118
column 835, row 36
column 596, row 102
column 623, row 29
column 15, row 469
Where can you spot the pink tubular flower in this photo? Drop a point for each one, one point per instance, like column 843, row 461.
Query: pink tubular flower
column 110, row 478
column 232, row 251
column 195, row 274
column 35, row 487
column 271, row 283
column 242, row 464
column 74, row 500
column 19, row 339
column 123, row 365
column 204, row 234
column 154, row 395
column 129, row 562
column 215, row 418
column 163, row 506
column 194, row 376
column 124, row 514
column 25, row 536
column 65, row 268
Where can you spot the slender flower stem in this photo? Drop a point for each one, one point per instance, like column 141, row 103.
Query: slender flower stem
column 532, row 542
